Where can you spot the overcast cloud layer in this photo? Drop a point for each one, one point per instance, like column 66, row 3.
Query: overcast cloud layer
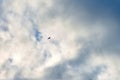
column 84, row 44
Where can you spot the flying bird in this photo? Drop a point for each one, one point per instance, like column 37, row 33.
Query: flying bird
column 49, row 37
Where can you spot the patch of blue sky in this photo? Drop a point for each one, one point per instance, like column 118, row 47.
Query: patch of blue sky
column 37, row 34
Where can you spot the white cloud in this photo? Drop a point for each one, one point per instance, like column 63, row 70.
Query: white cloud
column 33, row 59
column 23, row 51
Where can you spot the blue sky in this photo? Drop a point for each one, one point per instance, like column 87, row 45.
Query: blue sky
column 84, row 42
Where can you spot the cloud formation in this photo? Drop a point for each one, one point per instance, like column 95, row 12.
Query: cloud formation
column 84, row 42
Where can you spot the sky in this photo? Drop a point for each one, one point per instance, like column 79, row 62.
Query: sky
column 83, row 45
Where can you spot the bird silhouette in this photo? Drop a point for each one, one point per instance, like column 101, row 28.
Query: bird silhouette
column 49, row 37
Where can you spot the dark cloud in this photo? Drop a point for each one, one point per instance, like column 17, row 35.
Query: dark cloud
column 55, row 73
column 78, row 66
column 82, row 57
column 93, row 74
column 18, row 76
column 85, row 72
